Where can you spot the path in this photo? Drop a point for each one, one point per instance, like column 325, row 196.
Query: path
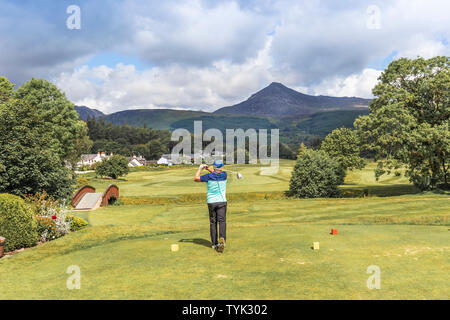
column 90, row 201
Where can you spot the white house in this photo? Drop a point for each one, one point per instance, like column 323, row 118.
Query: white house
column 136, row 161
column 90, row 159
column 165, row 158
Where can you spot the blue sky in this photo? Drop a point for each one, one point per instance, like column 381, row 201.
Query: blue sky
column 205, row 54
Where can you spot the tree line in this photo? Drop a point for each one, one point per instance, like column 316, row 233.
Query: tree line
column 128, row 140
column 150, row 143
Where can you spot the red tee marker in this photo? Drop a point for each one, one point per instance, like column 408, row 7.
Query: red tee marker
column 334, row 232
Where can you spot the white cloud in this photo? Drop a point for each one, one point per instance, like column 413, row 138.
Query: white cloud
column 193, row 32
column 207, row 54
column 224, row 83
column 356, row 85
column 174, row 86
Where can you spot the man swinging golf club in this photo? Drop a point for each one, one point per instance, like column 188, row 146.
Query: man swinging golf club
column 217, row 203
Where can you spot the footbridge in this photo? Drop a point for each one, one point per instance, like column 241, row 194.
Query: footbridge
column 86, row 198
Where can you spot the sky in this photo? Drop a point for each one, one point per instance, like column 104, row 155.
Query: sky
column 206, row 54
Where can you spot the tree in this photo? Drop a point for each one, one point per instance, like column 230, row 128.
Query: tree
column 6, row 89
column 82, row 144
column 39, row 132
column 301, row 150
column 156, row 149
column 129, row 141
column 315, row 175
column 56, row 113
column 113, row 167
column 285, row 151
column 343, row 145
column 29, row 161
column 408, row 123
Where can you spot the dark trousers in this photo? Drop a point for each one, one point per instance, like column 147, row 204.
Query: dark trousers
column 217, row 214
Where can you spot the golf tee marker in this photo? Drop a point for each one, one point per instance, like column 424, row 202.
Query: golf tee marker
column 315, row 245
column 174, row 247
column 334, row 232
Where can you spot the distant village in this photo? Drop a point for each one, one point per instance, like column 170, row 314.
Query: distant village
column 138, row 161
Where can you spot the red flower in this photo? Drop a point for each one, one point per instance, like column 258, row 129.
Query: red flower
column 53, row 217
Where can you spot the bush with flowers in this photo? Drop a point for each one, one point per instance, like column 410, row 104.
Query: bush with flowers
column 54, row 218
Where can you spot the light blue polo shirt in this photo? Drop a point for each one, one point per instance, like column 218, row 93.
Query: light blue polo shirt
column 217, row 186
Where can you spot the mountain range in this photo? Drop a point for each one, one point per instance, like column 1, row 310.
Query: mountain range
column 297, row 115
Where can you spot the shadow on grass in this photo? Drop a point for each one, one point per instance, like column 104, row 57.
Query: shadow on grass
column 200, row 242
column 380, row 191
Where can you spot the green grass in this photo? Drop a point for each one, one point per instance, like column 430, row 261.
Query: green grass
column 125, row 252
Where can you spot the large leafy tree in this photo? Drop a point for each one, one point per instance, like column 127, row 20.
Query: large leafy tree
column 39, row 133
column 6, row 89
column 408, row 123
column 29, row 161
column 343, row 145
column 56, row 113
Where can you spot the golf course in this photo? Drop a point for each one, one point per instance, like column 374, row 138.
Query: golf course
column 125, row 252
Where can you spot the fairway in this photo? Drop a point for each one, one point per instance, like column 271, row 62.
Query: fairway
column 125, row 251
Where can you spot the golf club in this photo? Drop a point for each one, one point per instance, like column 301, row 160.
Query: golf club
column 238, row 174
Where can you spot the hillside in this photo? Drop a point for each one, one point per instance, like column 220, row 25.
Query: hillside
column 85, row 112
column 292, row 129
column 223, row 122
column 173, row 119
column 152, row 118
column 317, row 125
column 277, row 100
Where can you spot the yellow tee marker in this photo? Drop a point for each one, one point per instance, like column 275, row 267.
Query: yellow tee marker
column 174, row 247
column 315, row 245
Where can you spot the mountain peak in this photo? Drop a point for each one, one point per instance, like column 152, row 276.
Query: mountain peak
column 276, row 84
column 277, row 100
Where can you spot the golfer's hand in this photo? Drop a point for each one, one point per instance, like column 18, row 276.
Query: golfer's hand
column 202, row 166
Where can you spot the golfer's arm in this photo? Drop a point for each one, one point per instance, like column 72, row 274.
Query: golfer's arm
column 197, row 175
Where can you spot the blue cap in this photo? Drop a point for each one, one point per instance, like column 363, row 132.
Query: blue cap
column 218, row 164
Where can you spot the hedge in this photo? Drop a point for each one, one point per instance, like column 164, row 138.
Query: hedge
column 17, row 223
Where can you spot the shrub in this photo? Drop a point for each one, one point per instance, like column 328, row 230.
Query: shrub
column 82, row 181
column 17, row 223
column 46, row 208
column 41, row 203
column 113, row 167
column 315, row 175
column 77, row 223
column 46, row 228
column 85, row 167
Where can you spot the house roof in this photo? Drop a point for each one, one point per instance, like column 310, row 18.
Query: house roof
column 87, row 157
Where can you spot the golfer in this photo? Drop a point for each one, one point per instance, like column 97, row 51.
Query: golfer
column 217, row 203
